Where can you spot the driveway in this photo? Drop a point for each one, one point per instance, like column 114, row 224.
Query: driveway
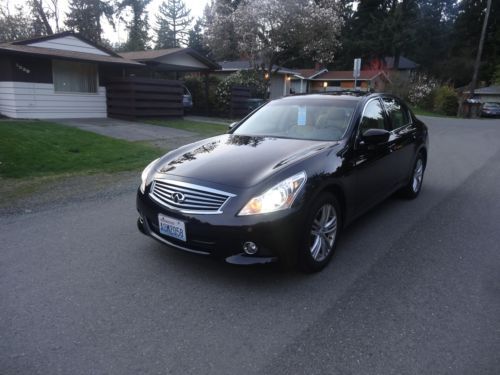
column 127, row 130
column 414, row 287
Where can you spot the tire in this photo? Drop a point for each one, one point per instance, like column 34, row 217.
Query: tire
column 414, row 186
column 321, row 234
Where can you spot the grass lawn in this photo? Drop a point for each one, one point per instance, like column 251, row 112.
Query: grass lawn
column 201, row 128
column 36, row 148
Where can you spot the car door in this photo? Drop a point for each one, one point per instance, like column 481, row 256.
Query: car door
column 372, row 171
column 402, row 140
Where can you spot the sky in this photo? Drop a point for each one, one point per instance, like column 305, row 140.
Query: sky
column 120, row 35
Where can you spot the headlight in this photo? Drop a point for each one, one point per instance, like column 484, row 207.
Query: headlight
column 144, row 175
column 279, row 197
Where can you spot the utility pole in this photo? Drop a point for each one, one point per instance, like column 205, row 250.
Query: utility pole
column 480, row 49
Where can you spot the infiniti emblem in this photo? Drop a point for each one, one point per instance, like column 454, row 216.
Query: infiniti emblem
column 178, row 197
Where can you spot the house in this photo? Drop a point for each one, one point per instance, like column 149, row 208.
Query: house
column 281, row 77
column 486, row 94
column 404, row 69
column 301, row 82
column 343, row 80
column 57, row 76
column 170, row 62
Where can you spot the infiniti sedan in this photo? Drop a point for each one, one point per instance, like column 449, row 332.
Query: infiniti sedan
column 283, row 182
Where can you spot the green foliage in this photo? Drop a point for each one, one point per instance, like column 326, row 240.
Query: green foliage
column 85, row 16
column 41, row 148
column 446, row 101
column 195, row 38
column 196, row 86
column 247, row 78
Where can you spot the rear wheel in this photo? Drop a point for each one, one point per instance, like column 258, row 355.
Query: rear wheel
column 412, row 189
column 321, row 233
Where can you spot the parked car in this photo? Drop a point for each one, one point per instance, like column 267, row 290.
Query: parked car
column 490, row 109
column 286, row 180
column 187, row 99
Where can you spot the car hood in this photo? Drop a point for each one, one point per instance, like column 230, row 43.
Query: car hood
column 236, row 160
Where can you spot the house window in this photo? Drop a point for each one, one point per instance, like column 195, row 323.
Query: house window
column 74, row 76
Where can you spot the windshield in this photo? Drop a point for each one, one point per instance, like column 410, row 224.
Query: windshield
column 301, row 118
column 491, row 105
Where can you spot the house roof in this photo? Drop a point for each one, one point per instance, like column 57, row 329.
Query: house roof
column 404, row 63
column 234, row 66
column 309, row 73
column 152, row 55
column 62, row 35
column 70, row 55
column 346, row 75
column 29, row 47
column 489, row 90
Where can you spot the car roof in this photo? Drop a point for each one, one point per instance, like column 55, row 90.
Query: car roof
column 325, row 96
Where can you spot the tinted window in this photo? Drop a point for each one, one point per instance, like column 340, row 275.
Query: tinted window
column 373, row 117
column 301, row 118
column 397, row 113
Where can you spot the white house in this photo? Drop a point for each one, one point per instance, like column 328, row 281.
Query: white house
column 57, row 76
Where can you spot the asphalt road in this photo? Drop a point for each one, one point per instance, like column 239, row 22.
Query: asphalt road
column 414, row 287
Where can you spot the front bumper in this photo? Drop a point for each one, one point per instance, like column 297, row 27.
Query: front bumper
column 222, row 236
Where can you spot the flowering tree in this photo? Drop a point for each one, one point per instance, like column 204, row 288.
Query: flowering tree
column 266, row 29
column 421, row 88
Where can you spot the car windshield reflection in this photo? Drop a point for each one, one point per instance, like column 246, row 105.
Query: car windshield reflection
column 301, row 118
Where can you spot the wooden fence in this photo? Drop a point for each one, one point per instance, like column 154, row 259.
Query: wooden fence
column 239, row 101
column 135, row 97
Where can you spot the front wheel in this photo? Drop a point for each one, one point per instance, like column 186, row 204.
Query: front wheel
column 321, row 233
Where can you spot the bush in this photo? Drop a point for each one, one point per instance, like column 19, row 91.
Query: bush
column 196, row 85
column 446, row 101
column 246, row 78
column 421, row 91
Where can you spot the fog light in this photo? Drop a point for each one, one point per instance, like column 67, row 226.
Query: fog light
column 250, row 248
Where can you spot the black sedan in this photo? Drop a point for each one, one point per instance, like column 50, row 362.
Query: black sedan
column 284, row 181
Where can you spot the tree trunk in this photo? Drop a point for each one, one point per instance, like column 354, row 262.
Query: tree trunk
column 43, row 16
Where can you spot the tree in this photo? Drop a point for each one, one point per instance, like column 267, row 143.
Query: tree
column 14, row 26
column 137, row 27
column 195, row 38
column 433, row 30
column 85, row 17
column 267, row 29
column 173, row 22
column 219, row 34
column 42, row 14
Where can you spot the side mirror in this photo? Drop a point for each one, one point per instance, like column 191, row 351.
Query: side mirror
column 375, row 136
column 232, row 125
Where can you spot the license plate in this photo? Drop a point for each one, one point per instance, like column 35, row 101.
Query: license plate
column 172, row 227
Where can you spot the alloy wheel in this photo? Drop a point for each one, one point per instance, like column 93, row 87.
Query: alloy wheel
column 418, row 174
column 323, row 232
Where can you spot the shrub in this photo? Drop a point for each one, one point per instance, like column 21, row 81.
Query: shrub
column 421, row 91
column 246, row 78
column 446, row 100
column 196, row 86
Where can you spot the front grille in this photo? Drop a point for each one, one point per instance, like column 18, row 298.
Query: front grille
column 189, row 198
